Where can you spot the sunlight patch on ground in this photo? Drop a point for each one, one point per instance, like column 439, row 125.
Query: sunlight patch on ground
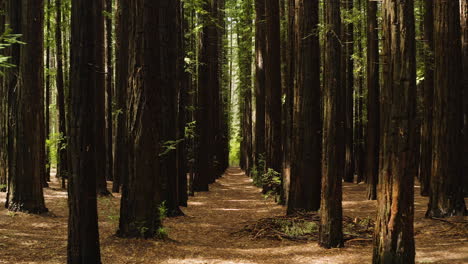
column 204, row 261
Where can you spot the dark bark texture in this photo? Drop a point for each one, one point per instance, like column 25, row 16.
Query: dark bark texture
column 446, row 187
column 304, row 191
column 394, row 235
column 333, row 158
column 373, row 104
column 83, row 235
column 26, row 149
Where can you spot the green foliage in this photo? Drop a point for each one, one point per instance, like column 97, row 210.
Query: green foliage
column 6, row 40
column 55, row 142
column 3, row 187
column 169, row 146
column 271, row 182
column 258, row 170
column 162, row 211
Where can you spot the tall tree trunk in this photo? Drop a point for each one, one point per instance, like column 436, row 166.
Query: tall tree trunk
column 348, row 83
column 83, row 234
column 464, row 34
column 245, row 82
column 273, row 87
column 394, row 237
column 428, row 99
column 62, row 162
column 3, row 117
column 100, row 112
column 109, row 89
column 151, row 24
column 373, row 103
column 333, row 158
column 207, row 84
column 304, row 192
column 260, row 82
column 26, row 149
column 47, row 94
column 120, row 153
column 446, row 187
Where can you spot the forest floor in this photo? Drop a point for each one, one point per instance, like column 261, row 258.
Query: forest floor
column 210, row 231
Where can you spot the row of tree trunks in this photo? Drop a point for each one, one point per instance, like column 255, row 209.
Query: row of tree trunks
column 26, row 150
column 394, row 237
column 305, row 178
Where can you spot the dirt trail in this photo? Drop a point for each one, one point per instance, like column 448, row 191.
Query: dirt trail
column 207, row 234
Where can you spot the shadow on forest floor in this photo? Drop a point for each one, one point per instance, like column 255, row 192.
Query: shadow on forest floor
column 209, row 233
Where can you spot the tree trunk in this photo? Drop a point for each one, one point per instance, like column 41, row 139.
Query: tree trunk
column 62, row 162
column 348, row 83
column 446, row 187
column 428, row 95
column 83, row 235
column 393, row 237
column 100, row 112
column 464, row 34
column 373, row 104
column 260, row 82
column 151, row 24
column 109, row 89
column 26, row 149
column 122, row 31
column 3, row 117
column 333, row 158
column 304, row 191
column 273, row 87
column 47, row 96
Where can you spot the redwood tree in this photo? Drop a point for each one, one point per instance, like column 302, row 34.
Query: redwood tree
column 304, row 191
column 428, row 95
column 151, row 24
column 83, row 235
column 373, row 104
column 446, row 186
column 393, row 237
column 26, row 144
column 333, row 158
column 273, row 87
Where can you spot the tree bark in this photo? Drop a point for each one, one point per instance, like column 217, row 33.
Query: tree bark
column 333, row 158
column 273, row 87
column 62, row 162
column 373, row 103
column 260, row 82
column 26, row 149
column 109, row 89
column 304, row 191
column 151, row 24
column 100, row 109
column 394, row 236
column 428, row 95
column 120, row 152
column 464, row 34
column 446, row 186
column 348, row 83
column 83, row 235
